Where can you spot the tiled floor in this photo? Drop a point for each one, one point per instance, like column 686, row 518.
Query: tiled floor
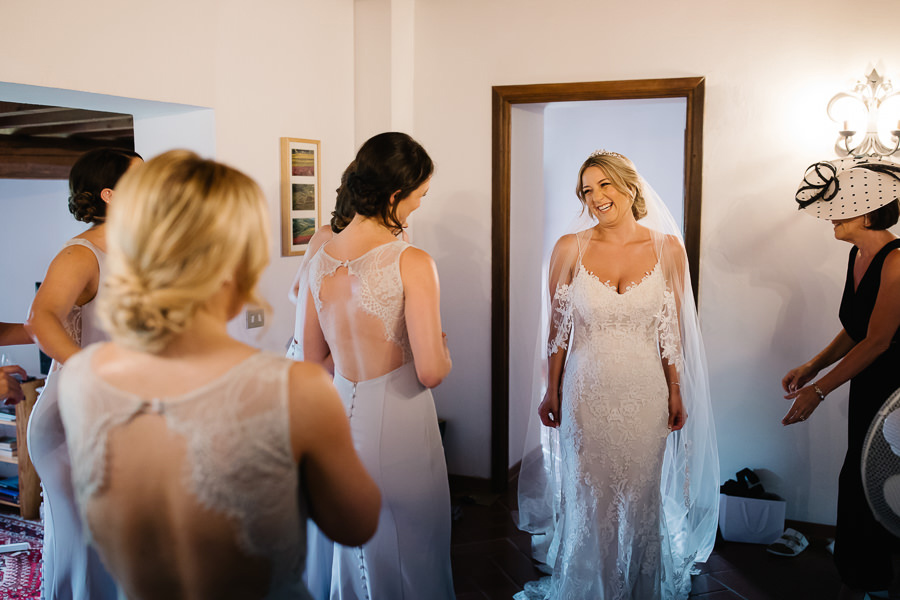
column 491, row 559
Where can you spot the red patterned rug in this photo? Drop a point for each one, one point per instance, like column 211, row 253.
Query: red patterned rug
column 21, row 571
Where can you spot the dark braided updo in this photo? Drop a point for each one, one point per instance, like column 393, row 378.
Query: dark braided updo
column 343, row 207
column 387, row 163
column 93, row 172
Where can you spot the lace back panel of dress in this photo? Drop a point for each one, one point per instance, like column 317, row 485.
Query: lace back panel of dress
column 375, row 289
column 239, row 460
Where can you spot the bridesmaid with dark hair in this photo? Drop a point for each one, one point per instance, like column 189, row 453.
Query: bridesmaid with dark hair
column 859, row 196
column 62, row 320
column 371, row 308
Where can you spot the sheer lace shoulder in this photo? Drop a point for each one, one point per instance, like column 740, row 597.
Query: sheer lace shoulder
column 566, row 255
column 561, row 319
column 239, row 458
column 380, row 292
column 670, row 331
column 669, row 325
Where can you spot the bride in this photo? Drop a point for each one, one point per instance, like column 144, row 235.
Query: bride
column 623, row 496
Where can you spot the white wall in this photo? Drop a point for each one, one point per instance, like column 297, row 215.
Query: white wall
column 526, row 228
column 264, row 70
column 770, row 278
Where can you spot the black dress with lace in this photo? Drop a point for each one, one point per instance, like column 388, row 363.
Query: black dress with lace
column 862, row 550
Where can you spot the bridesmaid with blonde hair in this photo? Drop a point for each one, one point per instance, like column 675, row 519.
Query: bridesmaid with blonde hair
column 196, row 459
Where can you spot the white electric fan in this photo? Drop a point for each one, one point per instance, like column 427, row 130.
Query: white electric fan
column 881, row 464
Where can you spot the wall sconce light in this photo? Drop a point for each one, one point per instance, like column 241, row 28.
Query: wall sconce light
column 872, row 106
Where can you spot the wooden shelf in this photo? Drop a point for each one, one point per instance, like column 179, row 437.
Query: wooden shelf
column 29, row 483
column 9, row 503
column 9, row 459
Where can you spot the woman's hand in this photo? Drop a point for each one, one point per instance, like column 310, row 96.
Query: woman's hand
column 798, row 377
column 10, row 388
column 806, row 400
column 549, row 409
column 677, row 414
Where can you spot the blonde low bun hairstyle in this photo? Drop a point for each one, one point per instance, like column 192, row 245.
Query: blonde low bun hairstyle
column 180, row 228
column 622, row 174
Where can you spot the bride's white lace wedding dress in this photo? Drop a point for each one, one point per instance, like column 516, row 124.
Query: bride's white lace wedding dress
column 611, row 539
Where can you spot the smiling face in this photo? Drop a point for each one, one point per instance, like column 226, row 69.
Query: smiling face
column 848, row 230
column 605, row 201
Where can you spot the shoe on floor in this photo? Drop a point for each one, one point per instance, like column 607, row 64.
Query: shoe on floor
column 791, row 543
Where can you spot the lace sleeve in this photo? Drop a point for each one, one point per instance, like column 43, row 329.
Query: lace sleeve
column 669, row 330
column 560, row 319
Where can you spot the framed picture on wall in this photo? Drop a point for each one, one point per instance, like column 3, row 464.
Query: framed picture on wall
column 300, row 179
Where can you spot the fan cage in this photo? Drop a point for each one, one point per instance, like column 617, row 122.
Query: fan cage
column 879, row 463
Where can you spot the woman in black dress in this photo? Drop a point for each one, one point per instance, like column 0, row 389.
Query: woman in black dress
column 860, row 198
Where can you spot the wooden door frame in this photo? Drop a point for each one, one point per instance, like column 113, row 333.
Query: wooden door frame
column 503, row 97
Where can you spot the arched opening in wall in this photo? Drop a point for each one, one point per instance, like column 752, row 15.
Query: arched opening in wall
column 35, row 160
column 533, row 132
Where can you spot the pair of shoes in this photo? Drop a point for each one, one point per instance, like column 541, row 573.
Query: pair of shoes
column 791, row 543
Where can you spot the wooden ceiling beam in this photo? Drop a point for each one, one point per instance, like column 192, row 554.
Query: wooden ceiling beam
column 24, row 157
column 123, row 137
column 57, row 117
column 19, row 108
column 110, row 126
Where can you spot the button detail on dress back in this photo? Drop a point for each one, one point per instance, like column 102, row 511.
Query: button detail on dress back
column 155, row 405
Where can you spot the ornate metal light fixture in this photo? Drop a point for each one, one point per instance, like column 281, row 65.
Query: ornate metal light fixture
column 874, row 104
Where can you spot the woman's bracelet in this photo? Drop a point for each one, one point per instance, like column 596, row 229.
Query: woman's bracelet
column 818, row 392
column 674, row 383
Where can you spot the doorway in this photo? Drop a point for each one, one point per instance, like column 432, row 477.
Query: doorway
column 530, row 104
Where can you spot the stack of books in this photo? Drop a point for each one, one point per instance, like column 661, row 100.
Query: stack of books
column 9, row 489
column 7, row 413
column 8, row 446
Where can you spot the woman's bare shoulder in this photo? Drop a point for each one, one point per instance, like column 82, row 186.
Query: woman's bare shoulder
column 567, row 243
column 75, row 258
column 416, row 263
column 322, row 235
column 891, row 265
column 416, row 254
column 672, row 246
column 314, row 380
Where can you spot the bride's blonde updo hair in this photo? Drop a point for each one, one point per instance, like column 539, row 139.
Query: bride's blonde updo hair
column 621, row 173
column 180, row 227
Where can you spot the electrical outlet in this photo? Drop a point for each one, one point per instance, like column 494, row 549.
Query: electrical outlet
column 255, row 318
